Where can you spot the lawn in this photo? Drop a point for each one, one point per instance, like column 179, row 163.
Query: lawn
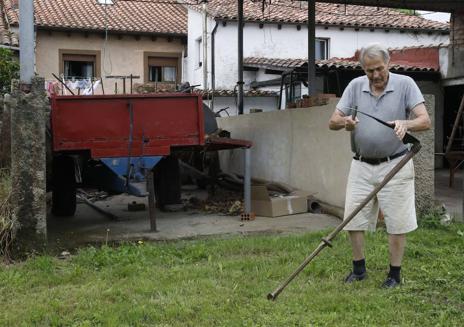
column 224, row 282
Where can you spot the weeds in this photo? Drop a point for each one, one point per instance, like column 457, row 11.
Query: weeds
column 434, row 219
column 6, row 213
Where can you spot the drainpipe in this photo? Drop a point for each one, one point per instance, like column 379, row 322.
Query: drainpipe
column 240, row 57
column 213, row 64
column 205, row 46
column 311, row 47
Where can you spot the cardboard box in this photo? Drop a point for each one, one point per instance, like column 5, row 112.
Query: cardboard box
column 262, row 204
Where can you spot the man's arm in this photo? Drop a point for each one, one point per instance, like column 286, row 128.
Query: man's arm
column 420, row 123
column 339, row 121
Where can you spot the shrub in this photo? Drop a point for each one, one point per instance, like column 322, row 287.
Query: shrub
column 9, row 69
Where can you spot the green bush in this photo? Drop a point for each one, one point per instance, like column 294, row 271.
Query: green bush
column 9, row 69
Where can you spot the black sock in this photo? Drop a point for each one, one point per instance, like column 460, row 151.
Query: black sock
column 395, row 273
column 359, row 266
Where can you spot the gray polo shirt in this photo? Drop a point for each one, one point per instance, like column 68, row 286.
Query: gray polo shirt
column 371, row 139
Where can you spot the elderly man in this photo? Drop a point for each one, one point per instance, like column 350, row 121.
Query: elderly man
column 377, row 149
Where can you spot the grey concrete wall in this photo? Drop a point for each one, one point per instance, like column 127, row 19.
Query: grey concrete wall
column 297, row 147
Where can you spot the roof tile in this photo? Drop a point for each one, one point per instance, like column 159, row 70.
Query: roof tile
column 326, row 14
column 287, row 64
column 6, row 36
column 153, row 16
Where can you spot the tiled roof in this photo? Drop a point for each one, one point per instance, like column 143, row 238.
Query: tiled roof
column 231, row 93
column 6, row 36
column 287, row 64
column 152, row 16
column 288, row 11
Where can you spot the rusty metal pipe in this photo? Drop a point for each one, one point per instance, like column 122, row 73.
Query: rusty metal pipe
column 326, row 241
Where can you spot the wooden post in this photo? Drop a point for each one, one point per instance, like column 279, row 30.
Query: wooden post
column 151, row 200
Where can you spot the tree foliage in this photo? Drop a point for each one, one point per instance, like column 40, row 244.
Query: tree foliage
column 9, row 69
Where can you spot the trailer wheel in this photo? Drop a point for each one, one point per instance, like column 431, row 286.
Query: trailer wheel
column 64, row 187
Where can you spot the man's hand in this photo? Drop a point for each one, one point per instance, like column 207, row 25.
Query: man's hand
column 401, row 127
column 350, row 124
column 339, row 121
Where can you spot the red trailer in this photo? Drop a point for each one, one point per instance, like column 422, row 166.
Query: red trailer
column 108, row 126
column 110, row 140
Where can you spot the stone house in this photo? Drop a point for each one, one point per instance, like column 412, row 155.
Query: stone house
column 86, row 39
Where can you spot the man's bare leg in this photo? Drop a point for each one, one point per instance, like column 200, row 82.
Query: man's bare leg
column 359, row 263
column 396, row 244
column 357, row 244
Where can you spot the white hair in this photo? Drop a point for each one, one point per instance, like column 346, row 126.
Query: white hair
column 374, row 50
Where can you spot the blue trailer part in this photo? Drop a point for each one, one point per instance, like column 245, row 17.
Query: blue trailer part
column 125, row 172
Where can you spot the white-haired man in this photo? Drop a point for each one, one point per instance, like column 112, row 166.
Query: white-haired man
column 390, row 97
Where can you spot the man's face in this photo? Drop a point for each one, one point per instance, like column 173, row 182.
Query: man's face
column 377, row 72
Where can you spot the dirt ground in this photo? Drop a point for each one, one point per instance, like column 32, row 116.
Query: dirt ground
column 90, row 226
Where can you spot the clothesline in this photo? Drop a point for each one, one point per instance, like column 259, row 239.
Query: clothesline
column 87, row 85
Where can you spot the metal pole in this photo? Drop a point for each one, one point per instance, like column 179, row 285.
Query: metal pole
column 213, row 64
column 247, row 181
column 311, row 47
column 26, row 41
column 151, row 200
column 205, row 46
column 240, row 58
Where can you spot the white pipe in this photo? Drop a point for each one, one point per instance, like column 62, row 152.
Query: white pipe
column 9, row 47
column 205, row 46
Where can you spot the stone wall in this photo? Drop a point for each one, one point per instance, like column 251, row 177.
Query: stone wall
column 424, row 162
column 28, row 117
column 5, row 140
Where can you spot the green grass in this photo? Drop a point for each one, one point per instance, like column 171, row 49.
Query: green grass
column 224, row 282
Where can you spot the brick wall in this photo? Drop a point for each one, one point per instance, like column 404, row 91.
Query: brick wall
column 457, row 29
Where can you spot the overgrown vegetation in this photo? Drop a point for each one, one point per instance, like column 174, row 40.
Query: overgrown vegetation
column 6, row 223
column 411, row 12
column 9, row 69
column 224, row 282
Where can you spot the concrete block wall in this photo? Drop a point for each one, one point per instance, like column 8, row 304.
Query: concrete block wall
column 296, row 147
column 456, row 52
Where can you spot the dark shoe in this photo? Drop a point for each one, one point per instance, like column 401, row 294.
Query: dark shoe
column 390, row 283
column 352, row 277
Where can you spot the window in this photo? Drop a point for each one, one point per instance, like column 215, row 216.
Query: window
column 163, row 69
column 198, row 52
column 322, row 49
column 79, row 64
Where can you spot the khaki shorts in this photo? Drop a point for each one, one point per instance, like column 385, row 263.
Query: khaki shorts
column 396, row 199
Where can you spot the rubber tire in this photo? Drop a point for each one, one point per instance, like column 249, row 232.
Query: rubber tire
column 64, row 187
